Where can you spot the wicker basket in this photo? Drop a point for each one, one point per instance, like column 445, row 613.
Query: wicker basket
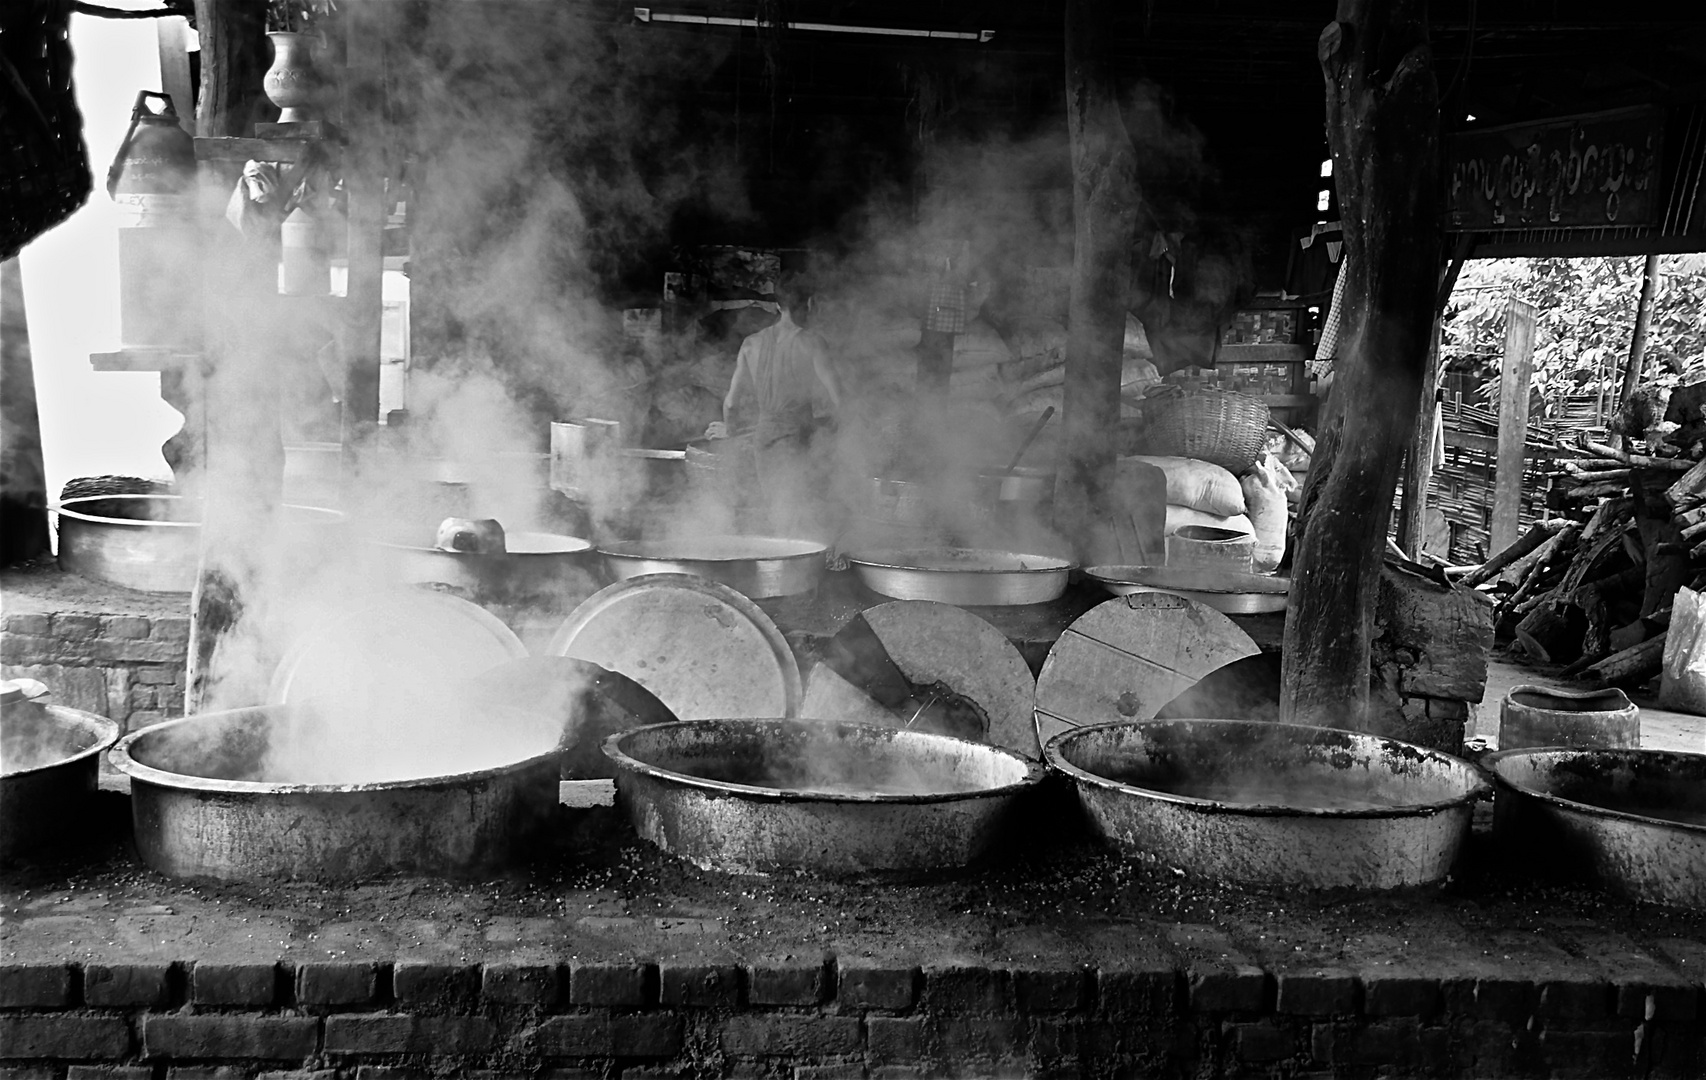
column 1216, row 426
column 44, row 166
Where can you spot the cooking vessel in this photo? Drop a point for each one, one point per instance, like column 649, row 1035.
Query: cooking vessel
column 198, row 811
column 758, row 567
column 821, row 797
column 1547, row 716
column 1272, row 804
column 1223, row 590
column 534, row 565
column 972, row 577
column 578, row 449
column 50, row 760
column 153, row 542
column 1634, row 820
column 1209, row 547
column 1025, row 485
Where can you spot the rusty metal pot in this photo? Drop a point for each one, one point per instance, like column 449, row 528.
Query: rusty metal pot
column 50, row 760
column 196, row 813
column 1634, row 820
column 822, row 797
column 1272, row 804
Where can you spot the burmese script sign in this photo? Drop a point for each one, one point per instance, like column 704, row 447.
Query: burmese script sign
column 1579, row 172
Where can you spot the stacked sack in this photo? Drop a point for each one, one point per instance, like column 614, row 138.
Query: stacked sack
column 1202, row 493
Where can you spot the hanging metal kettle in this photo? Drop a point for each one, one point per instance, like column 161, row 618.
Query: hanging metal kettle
column 153, row 184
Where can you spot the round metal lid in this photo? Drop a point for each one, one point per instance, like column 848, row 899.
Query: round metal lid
column 704, row 650
column 1126, row 658
column 408, row 636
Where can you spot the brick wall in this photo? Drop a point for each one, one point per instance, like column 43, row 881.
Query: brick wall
column 127, row 667
column 824, row 1018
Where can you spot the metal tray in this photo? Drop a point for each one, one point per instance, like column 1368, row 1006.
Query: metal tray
column 973, row 577
column 758, row 567
column 1223, row 590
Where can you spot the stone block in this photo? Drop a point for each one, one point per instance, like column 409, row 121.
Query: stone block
column 786, row 981
column 276, row 1038
column 64, row 1036
column 611, row 984
column 1317, row 993
column 233, row 984
column 519, row 984
column 893, row 1039
column 699, row 985
column 1050, row 990
column 863, row 983
column 336, row 983
column 393, row 1033
column 35, row 986
column 965, row 988
column 109, row 986
column 790, row 1035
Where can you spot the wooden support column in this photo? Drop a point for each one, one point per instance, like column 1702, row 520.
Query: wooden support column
column 1105, row 203
column 1518, row 372
column 1383, row 125
column 23, row 478
column 175, row 81
column 366, row 167
column 235, row 55
column 1418, row 471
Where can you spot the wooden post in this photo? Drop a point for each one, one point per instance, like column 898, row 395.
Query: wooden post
column 1105, row 203
column 1383, row 125
column 1413, row 513
column 175, row 69
column 23, row 479
column 235, row 55
column 1518, row 370
column 366, row 161
column 1643, row 320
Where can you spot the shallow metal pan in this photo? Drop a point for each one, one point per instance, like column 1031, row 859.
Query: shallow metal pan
column 972, row 577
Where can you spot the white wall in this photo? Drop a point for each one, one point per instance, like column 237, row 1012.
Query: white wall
column 94, row 422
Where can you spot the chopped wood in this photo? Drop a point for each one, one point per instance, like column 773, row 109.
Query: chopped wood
column 1605, row 475
column 1490, row 569
column 1645, row 461
column 1599, row 490
column 1627, row 637
column 1545, row 633
column 1691, row 517
column 1689, row 489
column 1693, row 531
column 1636, row 664
column 1549, row 550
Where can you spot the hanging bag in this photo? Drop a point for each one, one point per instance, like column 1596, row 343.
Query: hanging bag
column 44, row 165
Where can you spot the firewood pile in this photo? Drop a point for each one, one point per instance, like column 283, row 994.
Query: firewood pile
column 1594, row 592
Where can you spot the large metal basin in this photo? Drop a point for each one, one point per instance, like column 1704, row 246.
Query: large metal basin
column 1635, row 820
column 533, row 565
column 821, row 797
column 1272, row 804
column 202, row 807
column 757, row 567
column 972, row 577
column 153, row 542
column 50, row 759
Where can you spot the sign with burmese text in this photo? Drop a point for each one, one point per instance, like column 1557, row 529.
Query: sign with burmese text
column 1594, row 171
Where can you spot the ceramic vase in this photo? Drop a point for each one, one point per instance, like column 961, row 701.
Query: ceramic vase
column 291, row 81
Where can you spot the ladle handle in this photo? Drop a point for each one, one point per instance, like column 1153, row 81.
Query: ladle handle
column 1036, row 429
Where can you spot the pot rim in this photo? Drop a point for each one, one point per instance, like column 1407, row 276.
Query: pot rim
column 68, row 508
column 1064, row 566
column 657, row 551
column 1034, row 771
column 1569, row 695
column 122, row 760
column 109, row 733
column 1053, row 755
column 584, row 547
column 1504, row 783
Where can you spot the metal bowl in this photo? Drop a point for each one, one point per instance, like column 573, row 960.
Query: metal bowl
column 757, row 567
column 971, row 577
column 1027, row 485
column 1635, row 820
column 50, row 760
column 1272, row 804
column 1230, row 591
column 822, row 797
column 198, row 812
column 153, row 542
column 534, row 565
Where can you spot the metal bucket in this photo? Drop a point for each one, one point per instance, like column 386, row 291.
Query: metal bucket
column 1272, row 804
column 153, row 542
column 1543, row 716
column 820, row 797
column 50, row 760
column 1634, row 820
column 197, row 812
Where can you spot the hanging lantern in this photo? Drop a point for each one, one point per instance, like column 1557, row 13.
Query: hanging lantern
column 153, row 183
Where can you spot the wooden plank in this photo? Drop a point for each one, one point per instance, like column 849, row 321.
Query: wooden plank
column 1513, row 422
column 172, row 35
column 244, row 150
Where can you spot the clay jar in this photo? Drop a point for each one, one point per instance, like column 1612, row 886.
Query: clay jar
column 291, row 82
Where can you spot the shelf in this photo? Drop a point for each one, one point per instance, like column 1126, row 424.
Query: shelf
column 143, row 360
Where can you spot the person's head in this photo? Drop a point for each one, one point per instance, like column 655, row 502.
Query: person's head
column 795, row 298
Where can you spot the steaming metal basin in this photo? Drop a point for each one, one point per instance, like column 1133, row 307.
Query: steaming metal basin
column 758, row 567
column 1634, row 820
column 194, row 816
column 534, row 564
column 50, row 760
column 767, row 796
column 153, row 542
column 1272, row 804
column 971, row 577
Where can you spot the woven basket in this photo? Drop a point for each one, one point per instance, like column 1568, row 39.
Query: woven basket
column 1216, row 426
column 44, row 166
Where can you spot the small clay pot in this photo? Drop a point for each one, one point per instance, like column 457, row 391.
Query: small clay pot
column 1544, row 716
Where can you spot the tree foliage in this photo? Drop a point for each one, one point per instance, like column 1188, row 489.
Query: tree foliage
column 1586, row 320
